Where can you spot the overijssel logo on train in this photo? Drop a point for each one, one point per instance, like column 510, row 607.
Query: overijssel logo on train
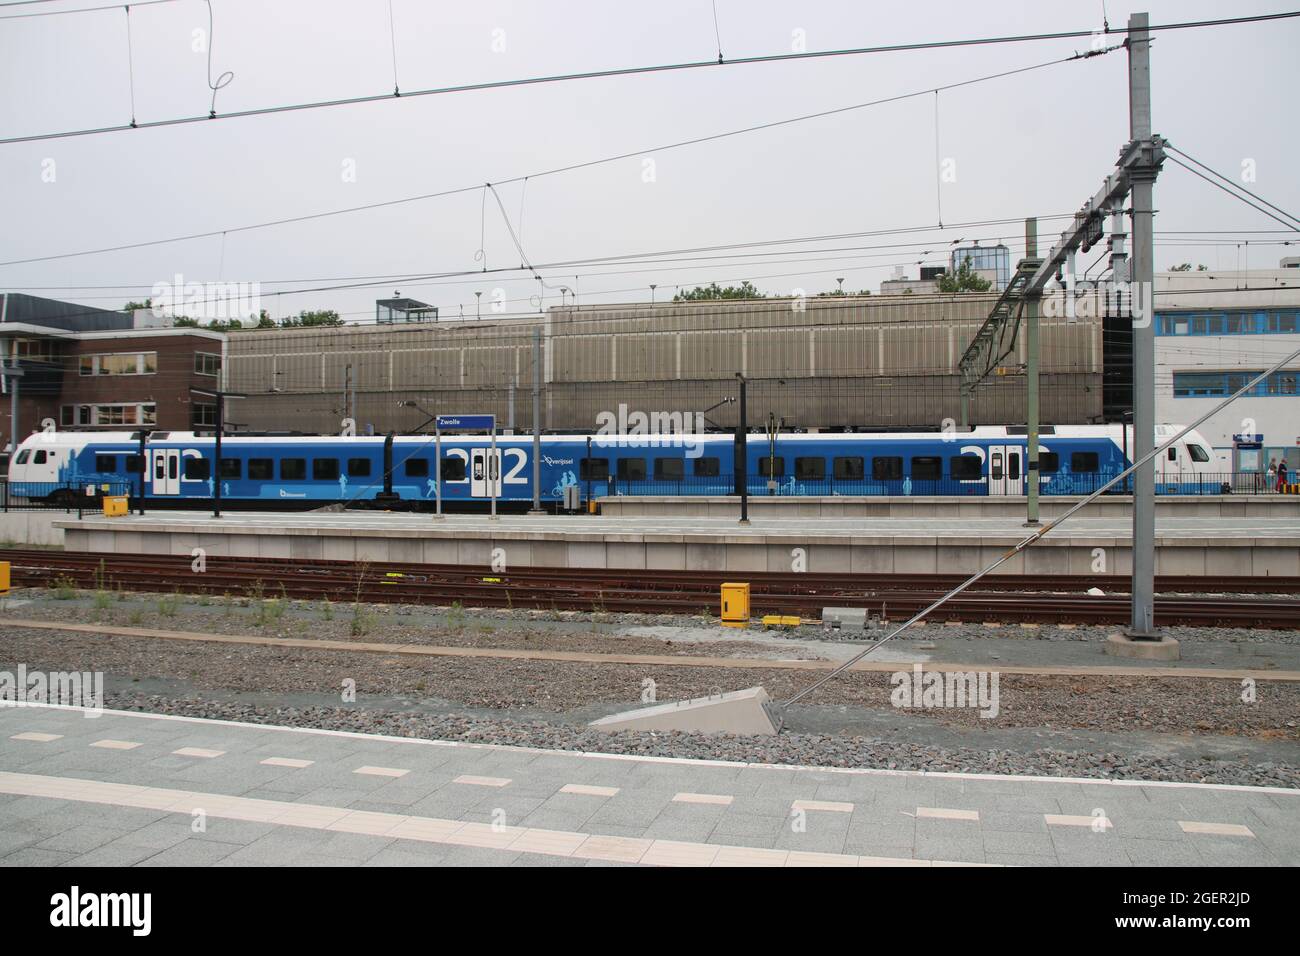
column 24, row 688
column 928, row 690
column 557, row 461
column 75, row 908
column 638, row 429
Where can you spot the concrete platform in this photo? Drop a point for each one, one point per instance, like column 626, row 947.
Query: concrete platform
column 877, row 506
column 1201, row 546
column 128, row 789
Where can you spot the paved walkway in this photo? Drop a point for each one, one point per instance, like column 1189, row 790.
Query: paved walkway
column 139, row 789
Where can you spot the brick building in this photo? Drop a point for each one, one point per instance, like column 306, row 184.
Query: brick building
column 90, row 368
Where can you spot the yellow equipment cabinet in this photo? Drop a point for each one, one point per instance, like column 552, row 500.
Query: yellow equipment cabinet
column 735, row 605
column 114, row 505
column 4, row 577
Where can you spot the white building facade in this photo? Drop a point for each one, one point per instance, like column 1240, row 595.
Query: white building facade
column 1214, row 332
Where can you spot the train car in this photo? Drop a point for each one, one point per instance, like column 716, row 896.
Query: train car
column 289, row 472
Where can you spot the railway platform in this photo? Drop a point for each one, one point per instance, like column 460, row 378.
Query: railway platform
column 140, row 789
column 1185, row 545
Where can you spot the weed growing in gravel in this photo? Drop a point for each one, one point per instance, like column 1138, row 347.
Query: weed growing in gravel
column 65, row 589
column 327, row 609
column 269, row 612
column 136, row 618
column 360, row 620
column 456, row 615
column 169, row 604
column 227, row 606
column 102, row 600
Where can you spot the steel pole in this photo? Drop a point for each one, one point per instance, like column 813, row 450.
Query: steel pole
column 537, row 421
column 1143, row 180
column 437, row 454
column 1031, row 403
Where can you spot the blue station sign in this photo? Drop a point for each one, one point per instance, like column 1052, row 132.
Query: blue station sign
column 468, row 422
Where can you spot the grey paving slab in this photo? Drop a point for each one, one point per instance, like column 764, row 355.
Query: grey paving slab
column 1010, row 829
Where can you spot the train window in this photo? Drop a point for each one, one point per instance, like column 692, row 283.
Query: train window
column 417, row 468
column 1049, row 462
column 358, row 467
column 1198, row 453
column 965, row 467
column 232, row 468
column 325, row 469
column 23, row 455
column 707, row 468
column 631, row 469
column 197, row 469
column 810, row 469
column 260, row 469
column 848, row 469
column 1013, row 465
column 1172, row 454
column 769, row 467
column 669, row 469
column 593, row 469
column 1083, row 461
column 886, row 469
column 293, row 469
column 927, row 468
column 133, row 463
column 39, row 457
column 106, row 463
column 453, row 469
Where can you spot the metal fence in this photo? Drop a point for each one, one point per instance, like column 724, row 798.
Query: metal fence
column 1059, row 484
column 58, row 496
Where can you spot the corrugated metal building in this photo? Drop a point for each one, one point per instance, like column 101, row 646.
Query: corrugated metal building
column 832, row 362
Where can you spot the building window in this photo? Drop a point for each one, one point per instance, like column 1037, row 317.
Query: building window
column 108, row 415
column 120, row 363
column 206, row 363
column 203, row 416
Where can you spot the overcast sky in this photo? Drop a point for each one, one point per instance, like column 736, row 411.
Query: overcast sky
column 1036, row 144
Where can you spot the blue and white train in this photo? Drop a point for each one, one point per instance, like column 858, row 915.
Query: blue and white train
column 286, row 472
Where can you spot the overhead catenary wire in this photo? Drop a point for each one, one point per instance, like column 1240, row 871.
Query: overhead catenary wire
column 1235, row 185
column 639, row 70
column 557, row 170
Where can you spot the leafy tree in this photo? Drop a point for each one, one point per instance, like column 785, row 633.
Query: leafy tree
column 745, row 290
column 306, row 319
column 1187, row 267
column 966, row 279
column 185, row 322
column 840, row 292
column 132, row 306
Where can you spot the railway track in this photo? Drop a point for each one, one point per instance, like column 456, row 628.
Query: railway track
column 1008, row 599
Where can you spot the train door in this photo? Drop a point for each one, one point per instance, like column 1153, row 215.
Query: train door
column 1006, row 470
column 166, row 471
column 485, row 473
column 1171, row 464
